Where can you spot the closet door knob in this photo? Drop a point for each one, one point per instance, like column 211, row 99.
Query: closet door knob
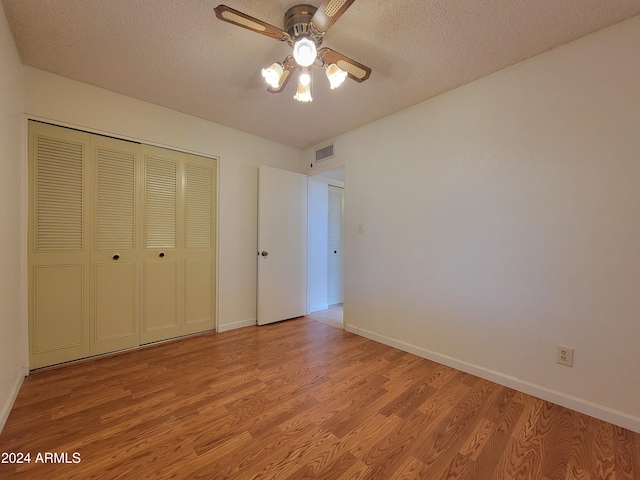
column 161, row 254
column 116, row 256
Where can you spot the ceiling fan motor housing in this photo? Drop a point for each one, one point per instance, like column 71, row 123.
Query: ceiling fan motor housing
column 297, row 23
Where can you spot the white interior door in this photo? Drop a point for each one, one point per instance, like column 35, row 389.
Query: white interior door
column 282, row 245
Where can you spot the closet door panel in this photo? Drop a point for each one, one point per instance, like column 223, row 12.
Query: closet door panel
column 162, row 279
column 160, row 305
column 59, row 332
column 199, row 241
column 199, row 295
column 114, row 257
column 115, row 306
column 58, row 170
column 58, row 295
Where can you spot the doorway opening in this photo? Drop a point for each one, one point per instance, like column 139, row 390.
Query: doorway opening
column 326, row 197
column 331, row 316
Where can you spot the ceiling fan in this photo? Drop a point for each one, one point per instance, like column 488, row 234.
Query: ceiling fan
column 304, row 29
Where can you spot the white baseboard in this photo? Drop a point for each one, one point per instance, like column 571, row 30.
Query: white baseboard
column 8, row 404
column 595, row 410
column 240, row 324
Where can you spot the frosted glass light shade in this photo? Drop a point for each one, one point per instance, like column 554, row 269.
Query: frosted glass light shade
column 335, row 75
column 304, row 52
column 273, row 74
column 304, row 93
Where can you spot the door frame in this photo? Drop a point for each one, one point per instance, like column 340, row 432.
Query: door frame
column 338, row 172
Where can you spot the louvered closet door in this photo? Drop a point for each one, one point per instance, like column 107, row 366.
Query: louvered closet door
column 199, row 243
column 161, row 282
column 58, row 245
column 114, row 256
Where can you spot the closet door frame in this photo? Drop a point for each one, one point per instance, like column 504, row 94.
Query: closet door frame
column 86, row 271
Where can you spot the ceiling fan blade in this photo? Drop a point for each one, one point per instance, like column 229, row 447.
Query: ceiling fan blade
column 328, row 13
column 227, row 14
column 289, row 67
column 355, row 70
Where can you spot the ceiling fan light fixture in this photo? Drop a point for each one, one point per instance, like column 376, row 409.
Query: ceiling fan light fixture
column 305, row 52
column 304, row 29
column 273, row 74
column 335, row 75
column 304, row 93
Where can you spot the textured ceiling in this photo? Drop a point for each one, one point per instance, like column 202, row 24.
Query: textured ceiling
column 175, row 53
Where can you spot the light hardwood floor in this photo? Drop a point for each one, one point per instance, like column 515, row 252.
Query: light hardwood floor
column 294, row 400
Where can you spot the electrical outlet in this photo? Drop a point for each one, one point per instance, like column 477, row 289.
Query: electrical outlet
column 565, row 356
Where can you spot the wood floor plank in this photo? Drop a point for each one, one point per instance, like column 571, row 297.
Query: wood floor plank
column 505, row 416
column 295, row 400
column 357, row 471
column 456, row 428
column 409, row 470
column 525, row 453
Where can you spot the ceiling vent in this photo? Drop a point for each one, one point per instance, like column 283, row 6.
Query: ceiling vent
column 324, row 153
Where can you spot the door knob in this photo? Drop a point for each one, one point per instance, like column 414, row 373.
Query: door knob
column 116, row 256
column 161, row 254
column 264, row 254
column 335, row 251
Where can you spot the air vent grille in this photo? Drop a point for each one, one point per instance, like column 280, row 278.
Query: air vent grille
column 324, row 153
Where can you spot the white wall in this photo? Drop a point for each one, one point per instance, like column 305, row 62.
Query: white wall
column 13, row 333
column 503, row 218
column 59, row 100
